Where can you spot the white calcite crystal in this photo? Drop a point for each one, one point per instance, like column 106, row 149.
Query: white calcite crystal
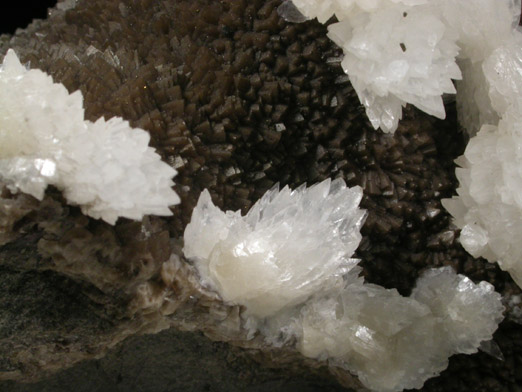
column 503, row 72
column 393, row 342
column 290, row 245
column 324, row 10
column 474, row 107
column 488, row 207
column 395, row 52
column 288, row 262
column 397, row 55
column 467, row 313
column 406, row 51
column 481, row 25
column 106, row 167
column 487, row 30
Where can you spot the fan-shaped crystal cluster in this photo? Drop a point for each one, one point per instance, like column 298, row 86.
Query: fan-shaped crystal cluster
column 105, row 167
column 290, row 245
column 288, row 261
column 405, row 51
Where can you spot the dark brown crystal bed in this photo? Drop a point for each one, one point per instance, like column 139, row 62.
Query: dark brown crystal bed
column 236, row 99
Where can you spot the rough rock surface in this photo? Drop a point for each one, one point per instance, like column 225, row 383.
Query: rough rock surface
column 236, row 100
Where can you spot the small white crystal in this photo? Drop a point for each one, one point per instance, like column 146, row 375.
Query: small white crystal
column 290, row 245
column 395, row 52
column 65, row 5
column 105, row 167
column 289, row 12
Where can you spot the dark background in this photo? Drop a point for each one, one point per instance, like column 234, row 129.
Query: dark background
column 19, row 14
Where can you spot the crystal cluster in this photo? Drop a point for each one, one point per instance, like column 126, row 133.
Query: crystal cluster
column 393, row 342
column 405, row 51
column 398, row 52
column 105, row 167
column 488, row 207
column 290, row 245
column 288, row 261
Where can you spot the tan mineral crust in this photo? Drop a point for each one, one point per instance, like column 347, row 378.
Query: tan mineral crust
column 236, row 100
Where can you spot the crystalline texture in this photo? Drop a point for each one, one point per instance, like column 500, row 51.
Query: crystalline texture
column 396, row 52
column 288, row 261
column 474, row 106
column 503, row 71
column 105, row 167
column 389, row 66
column 469, row 313
column 342, row 9
column 290, row 13
column 483, row 26
column 488, row 207
column 399, row 52
column 393, row 342
column 290, row 245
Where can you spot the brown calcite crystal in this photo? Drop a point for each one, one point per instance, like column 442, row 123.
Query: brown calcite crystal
column 236, row 100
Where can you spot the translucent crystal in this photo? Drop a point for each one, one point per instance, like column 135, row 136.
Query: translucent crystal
column 289, row 12
column 395, row 52
column 393, row 342
column 503, row 71
column 481, row 25
column 389, row 66
column 404, row 51
column 489, row 58
column 488, row 207
column 468, row 313
column 290, row 245
column 105, row 167
column 288, row 261
column 474, row 106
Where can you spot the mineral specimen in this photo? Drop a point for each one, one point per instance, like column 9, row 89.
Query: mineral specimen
column 106, row 167
column 488, row 207
column 393, row 342
column 290, row 246
column 235, row 99
column 288, row 261
column 398, row 51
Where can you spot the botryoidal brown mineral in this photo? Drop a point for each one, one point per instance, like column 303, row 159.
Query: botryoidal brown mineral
column 236, row 100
